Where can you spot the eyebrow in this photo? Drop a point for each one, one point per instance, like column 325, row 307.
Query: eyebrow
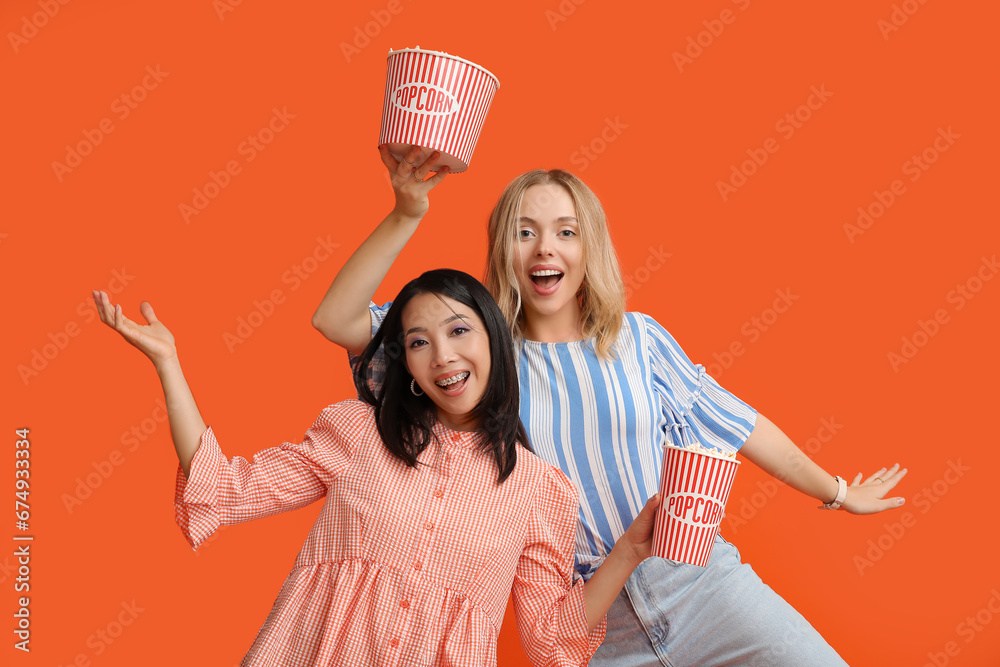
column 443, row 322
column 564, row 218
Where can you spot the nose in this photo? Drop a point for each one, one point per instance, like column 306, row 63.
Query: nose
column 443, row 354
column 542, row 247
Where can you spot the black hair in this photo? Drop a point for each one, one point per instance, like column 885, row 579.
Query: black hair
column 404, row 420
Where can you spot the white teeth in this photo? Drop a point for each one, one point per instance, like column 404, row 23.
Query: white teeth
column 546, row 272
column 453, row 379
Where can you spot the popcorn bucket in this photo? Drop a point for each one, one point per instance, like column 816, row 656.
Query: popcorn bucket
column 694, row 488
column 436, row 101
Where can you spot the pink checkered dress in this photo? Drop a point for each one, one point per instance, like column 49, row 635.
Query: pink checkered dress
column 404, row 566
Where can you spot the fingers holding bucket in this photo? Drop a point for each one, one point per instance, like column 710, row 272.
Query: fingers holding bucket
column 637, row 541
column 408, row 175
column 411, row 166
column 394, row 165
column 412, row 160
column 420, row 171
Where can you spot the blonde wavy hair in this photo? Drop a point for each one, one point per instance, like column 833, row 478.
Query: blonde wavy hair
column 602, row 295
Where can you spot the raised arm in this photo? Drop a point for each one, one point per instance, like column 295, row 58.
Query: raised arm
column 342, row 315
column 157, row 343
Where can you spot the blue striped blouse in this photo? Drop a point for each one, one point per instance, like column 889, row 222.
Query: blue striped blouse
column 604, row 422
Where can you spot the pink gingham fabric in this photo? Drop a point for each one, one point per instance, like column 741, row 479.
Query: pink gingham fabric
column 404, row 566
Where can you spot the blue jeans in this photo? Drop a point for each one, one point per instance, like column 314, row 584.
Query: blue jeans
column 682, row 616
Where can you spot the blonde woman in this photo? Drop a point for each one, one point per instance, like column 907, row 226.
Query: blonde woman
column 602, row 390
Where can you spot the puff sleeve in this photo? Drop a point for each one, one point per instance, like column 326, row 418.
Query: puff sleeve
column 549, row 603
column 697, row 408
column 280, row 479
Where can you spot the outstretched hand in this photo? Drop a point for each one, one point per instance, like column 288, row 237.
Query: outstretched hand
column 637, row 541
column 408, row 179
column 152, row 339
column 868, row 497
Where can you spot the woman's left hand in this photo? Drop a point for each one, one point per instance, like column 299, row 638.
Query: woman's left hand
column 868, row 497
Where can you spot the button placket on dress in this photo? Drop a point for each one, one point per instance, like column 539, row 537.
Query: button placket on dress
column 428, row 532
column 424, row 538
column 400, row 629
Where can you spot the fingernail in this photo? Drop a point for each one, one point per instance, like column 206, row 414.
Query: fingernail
column 901, row 501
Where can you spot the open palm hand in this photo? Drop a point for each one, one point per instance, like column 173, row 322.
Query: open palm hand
column 152, row 339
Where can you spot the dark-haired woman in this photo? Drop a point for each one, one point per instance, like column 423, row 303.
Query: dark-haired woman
column 434, row 507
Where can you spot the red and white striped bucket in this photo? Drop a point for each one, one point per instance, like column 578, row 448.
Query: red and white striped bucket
column 694, row 488
column 436, row 101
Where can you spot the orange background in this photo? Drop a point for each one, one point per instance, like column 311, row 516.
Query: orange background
column 893, row 589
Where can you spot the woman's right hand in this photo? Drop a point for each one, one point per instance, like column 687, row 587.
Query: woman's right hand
column 408, row 184
column 152, row 339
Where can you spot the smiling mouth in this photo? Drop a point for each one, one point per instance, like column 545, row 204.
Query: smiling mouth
column 454, row 383
column 546, row 279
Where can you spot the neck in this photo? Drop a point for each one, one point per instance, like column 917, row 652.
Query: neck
column 458, row 422
column 563, row 327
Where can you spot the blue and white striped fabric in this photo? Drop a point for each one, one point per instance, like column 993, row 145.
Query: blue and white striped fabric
column 604, row 423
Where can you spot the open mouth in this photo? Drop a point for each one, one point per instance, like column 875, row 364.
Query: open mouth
column 455, row 383
column 546, row 278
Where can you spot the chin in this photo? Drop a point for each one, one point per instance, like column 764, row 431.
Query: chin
column 550, row 306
